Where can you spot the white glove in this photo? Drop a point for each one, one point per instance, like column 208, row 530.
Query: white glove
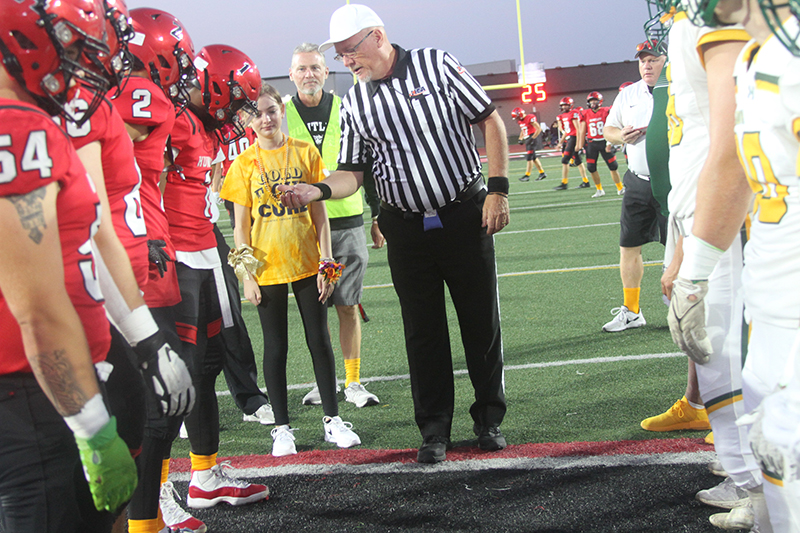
column 166, row 375
column 775, row 435
column 687, row 319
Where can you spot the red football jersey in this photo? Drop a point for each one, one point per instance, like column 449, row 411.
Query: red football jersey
column 595, row 120
column 565, row 119
column 187, row 195
column 122, row 179
column 36, row 152
column 527, row 125
column 234, row 149
column 143, row 103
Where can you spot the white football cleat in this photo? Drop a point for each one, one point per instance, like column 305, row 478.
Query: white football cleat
column 625, row 319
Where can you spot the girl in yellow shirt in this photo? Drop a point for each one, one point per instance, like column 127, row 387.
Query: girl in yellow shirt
column 287, row 244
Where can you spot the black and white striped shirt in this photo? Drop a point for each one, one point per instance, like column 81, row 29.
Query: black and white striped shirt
column 416, row 126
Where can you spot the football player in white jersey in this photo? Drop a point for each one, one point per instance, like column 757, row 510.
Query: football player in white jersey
column 767, row 128
column 701, row 60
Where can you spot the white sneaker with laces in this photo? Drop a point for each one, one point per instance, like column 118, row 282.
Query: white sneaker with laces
column 339, row 432
column 263, row 415
column 357, row 394
column 599, row 194
column 283, row 441
column 625, row 319
column 210, row 487
column 726, row 495
column 175, row 518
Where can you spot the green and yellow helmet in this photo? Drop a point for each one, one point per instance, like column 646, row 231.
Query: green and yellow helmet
column 776, row 12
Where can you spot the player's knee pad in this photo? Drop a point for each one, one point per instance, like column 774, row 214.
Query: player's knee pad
column 612, row 163
column 578, row 159
column 591, row 165
column 565, row 157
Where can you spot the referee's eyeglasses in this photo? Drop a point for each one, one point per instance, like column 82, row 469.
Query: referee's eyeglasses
column 352, row 53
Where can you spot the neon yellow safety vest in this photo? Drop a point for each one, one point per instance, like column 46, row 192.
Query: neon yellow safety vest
column 345, row 207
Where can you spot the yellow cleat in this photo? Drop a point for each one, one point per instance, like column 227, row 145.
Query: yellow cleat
column 680, row 416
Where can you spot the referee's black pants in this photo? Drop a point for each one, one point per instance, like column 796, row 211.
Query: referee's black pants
column 460, row 255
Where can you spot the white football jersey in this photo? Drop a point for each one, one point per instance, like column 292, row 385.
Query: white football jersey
column 768, row 140
column 687, row 109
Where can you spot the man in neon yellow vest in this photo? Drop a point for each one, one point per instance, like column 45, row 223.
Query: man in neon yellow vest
column 313, row 115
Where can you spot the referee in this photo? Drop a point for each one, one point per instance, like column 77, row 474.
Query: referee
column 413, row 111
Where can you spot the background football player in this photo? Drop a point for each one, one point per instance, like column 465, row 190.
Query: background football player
column 571, row 141
column 529, row 130
column 594, row 118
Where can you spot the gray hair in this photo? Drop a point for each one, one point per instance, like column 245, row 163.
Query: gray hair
column 308, row 48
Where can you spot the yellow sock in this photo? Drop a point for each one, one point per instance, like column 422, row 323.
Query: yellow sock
column 599, row 187
column 143, row 526
column 527, row 173
column 619, row 186
column 585, row 180
column 631, row 299
column 352, row 371
column 564, row 181
column 203, row 462
column 164, row 470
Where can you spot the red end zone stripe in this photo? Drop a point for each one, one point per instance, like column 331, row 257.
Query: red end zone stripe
column 463, row 453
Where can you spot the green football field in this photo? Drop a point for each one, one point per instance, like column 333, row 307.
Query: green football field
column 566, row 380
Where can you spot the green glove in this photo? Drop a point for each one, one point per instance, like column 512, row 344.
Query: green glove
column 109, row 467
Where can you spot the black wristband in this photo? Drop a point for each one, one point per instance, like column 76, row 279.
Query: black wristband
column 326, row 191
column 498, row 184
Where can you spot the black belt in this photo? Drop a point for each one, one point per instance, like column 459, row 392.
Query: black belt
column 467, row 194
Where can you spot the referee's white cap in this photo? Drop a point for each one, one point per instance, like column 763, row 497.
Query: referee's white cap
column 349, row 20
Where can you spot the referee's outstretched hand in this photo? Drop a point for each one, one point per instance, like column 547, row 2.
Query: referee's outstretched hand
column 297, row 196
column 495, row 213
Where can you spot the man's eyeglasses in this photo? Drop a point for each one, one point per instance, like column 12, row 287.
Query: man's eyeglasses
column 352, row 53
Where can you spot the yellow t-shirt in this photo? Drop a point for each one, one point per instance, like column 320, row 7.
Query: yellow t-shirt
column 284, row 239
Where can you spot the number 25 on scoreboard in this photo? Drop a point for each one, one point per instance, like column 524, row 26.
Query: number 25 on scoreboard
column 534, row 93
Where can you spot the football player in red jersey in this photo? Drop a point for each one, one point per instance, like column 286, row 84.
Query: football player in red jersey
column 594, row 117
column 529, row 129
column 161, row 55
column 51, row 314
column 569, row 127
column 221, row 106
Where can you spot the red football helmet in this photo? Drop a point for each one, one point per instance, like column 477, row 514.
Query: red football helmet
column 46, row 46
column 625, row 84
column 230, row 83
column 596, row 97
column 163, row 47
column 119, row 29
column 566, row 102
column 517, row 113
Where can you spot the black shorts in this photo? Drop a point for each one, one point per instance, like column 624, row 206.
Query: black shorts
column 640, row 220
column 569, row 151
column 530, row 147
column 598, row 148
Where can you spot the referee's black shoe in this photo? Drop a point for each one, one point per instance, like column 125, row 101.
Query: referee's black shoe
column 490, row 438
column 560, row 187
column 433, row 449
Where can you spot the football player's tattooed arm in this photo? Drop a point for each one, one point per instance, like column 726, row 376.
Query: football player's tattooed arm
column 32, row 283
column 723, row 193
column 108, row 244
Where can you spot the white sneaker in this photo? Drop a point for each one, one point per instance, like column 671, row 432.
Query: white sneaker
column 737, row 518
column 625, row 319
column 313, row 397
column 716, row 468
column 621, row 191
column 263, row 414
column 283, row 441
column 339, row 432
column 357, row 394
column 175, row 518
column 600, row 193
column 210, row 487
column 726, row 495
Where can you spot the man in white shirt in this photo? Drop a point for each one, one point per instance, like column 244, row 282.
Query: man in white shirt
column 641, row 220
